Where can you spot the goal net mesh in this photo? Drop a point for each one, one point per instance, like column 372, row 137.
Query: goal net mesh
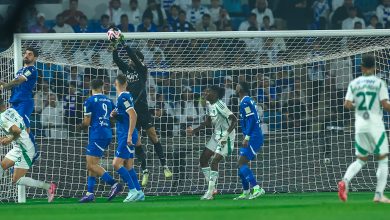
column 298, row 82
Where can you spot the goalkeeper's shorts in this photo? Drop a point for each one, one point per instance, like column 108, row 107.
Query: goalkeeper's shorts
column 223, row 150
column 371, row 143
column 21, row 155
column 97, row 147
column 144, row 118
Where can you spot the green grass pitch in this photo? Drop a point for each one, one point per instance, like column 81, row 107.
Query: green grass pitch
column 271, row 207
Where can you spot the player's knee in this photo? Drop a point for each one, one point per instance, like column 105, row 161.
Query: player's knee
column 15, row 180
column 116, row 165
column 383, row 159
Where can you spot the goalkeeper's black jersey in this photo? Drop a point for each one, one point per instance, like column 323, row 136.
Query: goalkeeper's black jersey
column 136, row 75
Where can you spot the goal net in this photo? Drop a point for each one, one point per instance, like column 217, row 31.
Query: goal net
column 299, row 80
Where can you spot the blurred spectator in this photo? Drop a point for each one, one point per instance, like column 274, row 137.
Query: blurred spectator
column 114, row 12
column 230, row 91
column 250, row 22
column 262, row 10
column 163, row 122
column 214, row 10
column 374, row 23
column 321, row 11
column 104, row 24
column 84, row 53
column 152, row 100
column 167, row 4
column 147, row 25
column 125, row 26
column 299, row 15
column 196, row 12
column 266, row 24
column 341, row 14
column 75, row 76
column 183, row 25
column 29, row 15
column 156, row 13
column 295, row 107
column 40, row 26
column 358, row 25
column 335, row 4
column 40, row 97
column 60, row 26
column 224, row 21
column 134, row 14
column 266, row 94
column 349, row 23
column 173, row 16
column 383, row 12
column 183, row 4
column 83, row 27
column 191, row 111
column 206, row 24
column 73, row 108
column 72, row 15
column 52, row 118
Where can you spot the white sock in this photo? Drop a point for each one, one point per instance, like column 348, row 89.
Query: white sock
column 353, row 169
column 27, row 181
column 213, row 180
column 1, row 172
column 381, row 174
column 206, row 173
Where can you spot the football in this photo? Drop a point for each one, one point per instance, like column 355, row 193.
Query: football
column 113, row 34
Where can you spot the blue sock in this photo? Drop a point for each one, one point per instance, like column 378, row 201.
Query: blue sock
column 245, row 184
column 248, row 175
column 91, row 181
column 107, row 178
column 126, row 177
column 133, row 175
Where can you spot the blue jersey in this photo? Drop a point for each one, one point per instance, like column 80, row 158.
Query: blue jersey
column 99, row 107
column 124, row 103
column 24, row 91
column 250, row 122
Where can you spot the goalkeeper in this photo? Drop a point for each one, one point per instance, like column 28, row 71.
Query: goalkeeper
column 136, row 73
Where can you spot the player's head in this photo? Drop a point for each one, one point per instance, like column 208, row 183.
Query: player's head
column 97, row 85
column 121, row 82
column 30, row 55
column 243, row 88
column 368, row 64
column 214, row 92
column 140, row 56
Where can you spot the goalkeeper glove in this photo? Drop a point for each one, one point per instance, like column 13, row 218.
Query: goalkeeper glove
column 223, row 138
column 121, row 39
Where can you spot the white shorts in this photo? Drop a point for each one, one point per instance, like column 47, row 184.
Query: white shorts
column 21, row 156
column 224, row 150
column 371, row 143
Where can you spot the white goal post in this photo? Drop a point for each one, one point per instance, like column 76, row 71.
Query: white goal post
column 298, row 78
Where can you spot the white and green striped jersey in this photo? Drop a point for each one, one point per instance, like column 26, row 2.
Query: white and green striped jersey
column 11, row 117
column 367, row 92
column 219, row 114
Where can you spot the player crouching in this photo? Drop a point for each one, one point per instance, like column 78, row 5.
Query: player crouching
column 22, row 153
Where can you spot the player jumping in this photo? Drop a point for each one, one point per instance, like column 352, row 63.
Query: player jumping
column 97, row 109
column 21, row 155
column 367, row 94
column 252, row 143
column 137, row 73
column 127, row 135
column 221, row 143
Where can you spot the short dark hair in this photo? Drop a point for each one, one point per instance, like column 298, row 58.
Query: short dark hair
column 97, row 84
column 266, row 17
column 245, row 87
column 206, row 16
column 124, row 16
column 368, row 61
column 122, row 79
column 219, row 90
column 74, row 1
column 252, row 15
column 35, row 51
column 104, row 17
column 175, row 6
column 182, row 12
column 83, row 17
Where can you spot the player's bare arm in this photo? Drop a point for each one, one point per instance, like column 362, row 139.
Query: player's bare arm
column 15, row 132
column 206, row 123
column 13, row 83
column 85, row 124
column 386, row 105
column 349, row 105
column 132, row 122
column 233, row 124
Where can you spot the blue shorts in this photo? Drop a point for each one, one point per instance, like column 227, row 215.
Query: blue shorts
column 97, row 147
column 123, row 150
column 25, row 109
column 254, row 146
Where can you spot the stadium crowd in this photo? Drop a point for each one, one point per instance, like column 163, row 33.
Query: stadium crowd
column 287, row 100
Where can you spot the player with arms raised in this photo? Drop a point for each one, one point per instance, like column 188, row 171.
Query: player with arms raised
column 136, row 73
column 97, row 109
column 252, row 143
column 367, row 94
column 21, row 155
column 221, row 143
column 127, row 135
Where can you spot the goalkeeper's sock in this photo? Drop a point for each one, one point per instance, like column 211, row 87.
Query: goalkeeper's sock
column 140, row 153
column 27, row 181
column 160, row 153
column 353, row 169
column 381, row 174
column 1, row 171
column 134, row 178
column 213, row 180
column 91, row 181
column 245, row 183
column 124, row 174
column 247, row 173
column 107, row 178
column 206, row 173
